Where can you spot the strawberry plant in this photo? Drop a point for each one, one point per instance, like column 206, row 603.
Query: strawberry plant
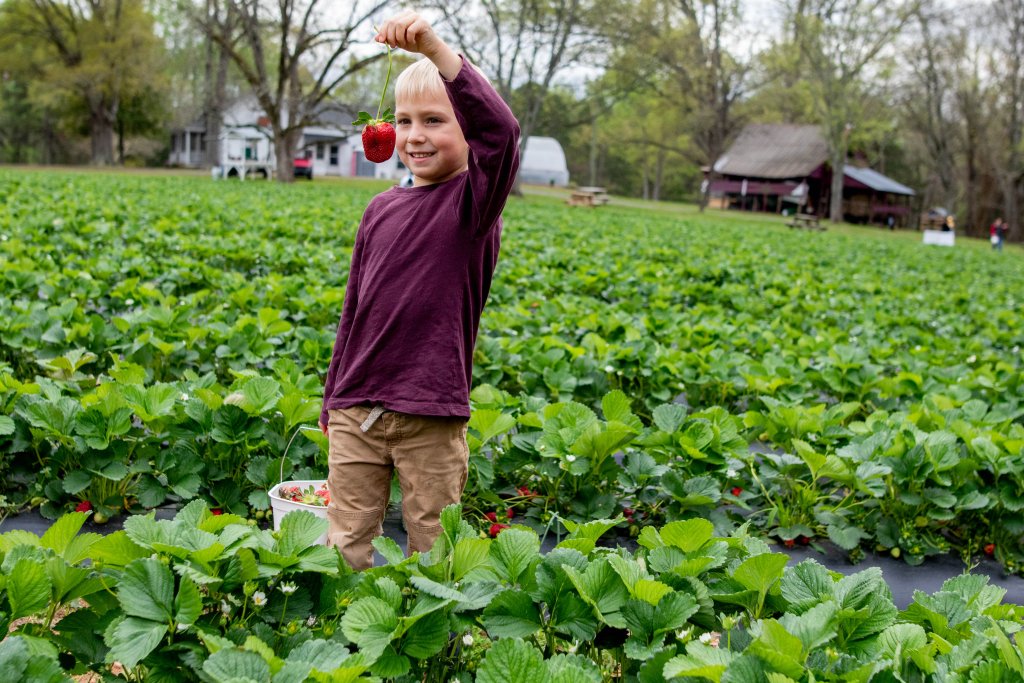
column 208, row 597
column 176, row 365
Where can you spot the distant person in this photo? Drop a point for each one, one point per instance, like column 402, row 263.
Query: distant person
column 397, row 389
column 950, row 224
column 890, row 222
column 997, row 233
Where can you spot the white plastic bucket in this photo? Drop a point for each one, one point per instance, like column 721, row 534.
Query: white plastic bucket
column 282, row 507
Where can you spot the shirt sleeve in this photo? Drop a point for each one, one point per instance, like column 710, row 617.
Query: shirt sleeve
column 348, row 311
column 492, row 132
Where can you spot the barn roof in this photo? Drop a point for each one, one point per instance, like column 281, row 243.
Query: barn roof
column 876, row 181
column 774, row 150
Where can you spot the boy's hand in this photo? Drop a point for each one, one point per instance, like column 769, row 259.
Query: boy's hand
column 413, row 33
column 410, row 32
column 323, row 428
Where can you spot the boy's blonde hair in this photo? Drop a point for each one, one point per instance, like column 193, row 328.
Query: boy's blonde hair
column 418, row 80
column 422, row 79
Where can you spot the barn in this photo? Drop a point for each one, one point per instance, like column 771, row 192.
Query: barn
column 783, row 168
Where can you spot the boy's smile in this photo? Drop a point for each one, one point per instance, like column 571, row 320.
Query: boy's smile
column 429, row 139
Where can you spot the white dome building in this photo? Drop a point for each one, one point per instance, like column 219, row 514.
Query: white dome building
column 544, row 162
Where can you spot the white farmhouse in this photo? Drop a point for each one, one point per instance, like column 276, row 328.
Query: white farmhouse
column 246, row 150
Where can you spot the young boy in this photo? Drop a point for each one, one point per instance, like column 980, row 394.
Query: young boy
column 397, row 390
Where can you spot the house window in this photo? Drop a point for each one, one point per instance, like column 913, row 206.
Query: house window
column 202, row 142
column 334, row 155
column 251, row 149
column 320, row 151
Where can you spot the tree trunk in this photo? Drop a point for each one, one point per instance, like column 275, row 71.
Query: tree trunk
column 101, row 131
column 659, row 174
column 120, row 142
column 835, row 208
column 285, row 142
column 593, row 151
column 216, row 94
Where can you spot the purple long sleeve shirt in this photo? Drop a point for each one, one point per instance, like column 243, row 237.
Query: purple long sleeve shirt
column 421, row 271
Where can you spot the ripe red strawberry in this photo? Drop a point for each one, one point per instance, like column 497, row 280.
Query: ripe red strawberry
column 990, row 548
column 84, row 506
column 378, row 138
column 736, row 491
column 497, row 529
column 491, row 516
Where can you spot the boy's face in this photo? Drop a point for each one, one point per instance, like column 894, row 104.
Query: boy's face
column 429, row 139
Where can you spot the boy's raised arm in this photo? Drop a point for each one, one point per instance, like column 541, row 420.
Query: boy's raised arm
column 489, row 127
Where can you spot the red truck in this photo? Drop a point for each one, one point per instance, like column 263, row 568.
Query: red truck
column 303, row 167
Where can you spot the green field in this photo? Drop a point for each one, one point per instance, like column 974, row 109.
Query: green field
column 163, row 338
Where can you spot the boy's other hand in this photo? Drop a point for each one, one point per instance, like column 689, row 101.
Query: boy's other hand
column 410, row 32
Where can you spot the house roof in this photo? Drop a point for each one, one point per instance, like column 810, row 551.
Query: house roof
column 774, row 151
column 876, row 181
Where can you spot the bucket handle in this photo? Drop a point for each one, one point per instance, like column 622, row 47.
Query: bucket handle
column 302, row 428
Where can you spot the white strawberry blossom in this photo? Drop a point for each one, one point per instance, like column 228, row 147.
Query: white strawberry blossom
column 259, row 598
column 467, row 639
column 570, row 458
column 705, row 638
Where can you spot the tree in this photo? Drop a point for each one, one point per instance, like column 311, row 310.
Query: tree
column 94, row 53
column 1009, row 67
column 930, row 102
column 677, row 51
column 291, row 57
column 840, row 42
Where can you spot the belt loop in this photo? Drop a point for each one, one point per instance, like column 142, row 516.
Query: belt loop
column 375, row 413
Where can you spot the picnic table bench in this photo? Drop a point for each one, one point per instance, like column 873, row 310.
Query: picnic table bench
column 805, row 220
column 588, row 196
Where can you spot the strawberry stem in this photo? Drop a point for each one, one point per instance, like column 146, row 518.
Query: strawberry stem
column 387, row 80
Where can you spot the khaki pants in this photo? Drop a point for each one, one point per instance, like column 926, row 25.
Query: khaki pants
column 431, row 457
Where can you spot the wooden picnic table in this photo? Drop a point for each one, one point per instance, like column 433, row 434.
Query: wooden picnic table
column 588, row 196
column 805, row 220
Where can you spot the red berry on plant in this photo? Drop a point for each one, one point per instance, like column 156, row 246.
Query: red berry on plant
column 492, row 516
column 216, row 511
column 497, row 529
column 509, row 513
column 990, row 548
column 84, row 506
column 736, row 491
column 789, row 543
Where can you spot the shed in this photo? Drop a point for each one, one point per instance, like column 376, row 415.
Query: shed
column 544, row 162
column 784, row 167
